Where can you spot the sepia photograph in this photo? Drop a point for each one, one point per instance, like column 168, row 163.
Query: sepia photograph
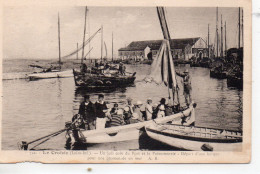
column 105, row 79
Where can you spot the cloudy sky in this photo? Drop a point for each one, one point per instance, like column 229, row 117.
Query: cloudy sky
column 31, row 32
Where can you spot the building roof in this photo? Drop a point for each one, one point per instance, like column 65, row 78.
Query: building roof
column 155, row 44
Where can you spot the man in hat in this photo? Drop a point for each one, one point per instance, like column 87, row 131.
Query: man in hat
column 138, row 111
column 186, row 85
column 130, row 105
column 101, row 112
column 149, row 109
column 121, row 68
column 87, row 111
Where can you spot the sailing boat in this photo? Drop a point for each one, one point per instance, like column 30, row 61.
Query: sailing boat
column 163, row 63
column 183, row 136
column 235, row 75
column 52, row 72
column 219, row 70
column 98, row 77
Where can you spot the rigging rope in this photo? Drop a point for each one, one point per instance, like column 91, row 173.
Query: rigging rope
column 81, row 46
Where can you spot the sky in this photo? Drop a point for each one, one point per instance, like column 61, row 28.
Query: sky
column 32, row 32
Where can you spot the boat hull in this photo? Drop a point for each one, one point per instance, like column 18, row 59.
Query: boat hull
column 130, row 131
column 47, row 75
column 218, row 75
column 186, row 142
column 233, row 81
column 96, row 81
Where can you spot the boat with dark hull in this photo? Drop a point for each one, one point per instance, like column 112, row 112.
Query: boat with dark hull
column 214, row 73
column 102, row 81
column 235, row 81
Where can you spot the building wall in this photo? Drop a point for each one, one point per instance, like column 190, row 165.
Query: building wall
column 200, row 47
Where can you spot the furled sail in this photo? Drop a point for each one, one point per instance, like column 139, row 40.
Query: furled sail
column 162, row 69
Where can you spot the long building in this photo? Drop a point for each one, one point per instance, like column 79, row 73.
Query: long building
column 180, row 48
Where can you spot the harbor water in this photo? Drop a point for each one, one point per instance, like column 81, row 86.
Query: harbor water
column 32, row 109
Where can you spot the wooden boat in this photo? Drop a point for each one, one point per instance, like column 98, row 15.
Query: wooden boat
column 127, row 132
column 235, row 81
column 214, row 73
column 51, row 74
column 195, row 138
column 90, row 80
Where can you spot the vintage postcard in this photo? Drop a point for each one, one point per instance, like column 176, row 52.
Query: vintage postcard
column 126, row 82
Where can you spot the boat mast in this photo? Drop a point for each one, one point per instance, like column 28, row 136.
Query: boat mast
column 225, row 39
column 112, row 47
column 221, row 47
column 77, row 51
column 59, row 39
column 238, row 27
column 105, row 45
column 86, row 9
column 208, row 42
column 242, row 28
column 217, row 29
column 166, row 34
column 89, row 47
column 101, row 42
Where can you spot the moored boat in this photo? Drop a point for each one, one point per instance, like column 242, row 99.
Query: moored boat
column 235, row 81
column 51, row 74
column 195, row 138
column 90, row 80
column 214, row 73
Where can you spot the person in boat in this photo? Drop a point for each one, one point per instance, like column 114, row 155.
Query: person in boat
column 114, row 109
column 149, row 109
column 49, row 69
column 161, row 111
column 137, row 110
column 121, row 69
column 186, row 85
column 127, row 115
column 117, row 119
column 130, row 105
column 96, row 64
column 134, row 119
column 102, row 112
column 162, row 103
column 107, row 66
column 83, row 68
column 87, row 111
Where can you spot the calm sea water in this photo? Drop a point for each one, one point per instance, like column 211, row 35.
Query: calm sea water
column 32, row 109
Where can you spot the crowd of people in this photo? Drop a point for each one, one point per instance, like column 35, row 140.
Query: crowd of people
column 98, row 116
column 102, row 67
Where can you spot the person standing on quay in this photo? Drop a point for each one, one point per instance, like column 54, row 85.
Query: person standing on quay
column 87, row 111
column 186, row 86
column 101, row 112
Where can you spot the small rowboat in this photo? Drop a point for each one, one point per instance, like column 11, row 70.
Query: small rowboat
column 126, row 132
column 195, row 138
column 52, row 74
